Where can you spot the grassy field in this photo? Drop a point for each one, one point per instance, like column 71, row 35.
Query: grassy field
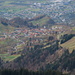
column 41, row 22
column 11, row 58
column 7, row 57
column 69, row 44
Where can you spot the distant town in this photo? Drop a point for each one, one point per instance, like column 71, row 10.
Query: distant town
column 56, row 10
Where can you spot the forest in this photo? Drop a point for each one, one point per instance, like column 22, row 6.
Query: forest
column 26, row 72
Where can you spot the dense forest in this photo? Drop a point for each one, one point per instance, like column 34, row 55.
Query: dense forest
column 26, row 72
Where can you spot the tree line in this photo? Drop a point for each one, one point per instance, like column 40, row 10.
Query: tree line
column 26, row 72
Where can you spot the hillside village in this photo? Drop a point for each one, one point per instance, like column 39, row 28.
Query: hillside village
column 37, row 37
column 19, row 36
column 27, row 37
column 26, row 32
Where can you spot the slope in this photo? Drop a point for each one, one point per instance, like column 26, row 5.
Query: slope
column 4, row 28
column 42, row 20
column 20, row 22
column 37, row 58
column 66, row 63
column 69, row 44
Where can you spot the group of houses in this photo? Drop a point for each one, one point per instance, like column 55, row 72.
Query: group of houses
column 26, row 32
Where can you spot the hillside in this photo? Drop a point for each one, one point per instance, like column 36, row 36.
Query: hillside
column 16, row 22
column 32, row 44
column 6, row 28
column 66, row 63
column 42, row 20
column 70, row 44
column 37, row 37
column 37, row 57
column 20, row 22
column 38, row 21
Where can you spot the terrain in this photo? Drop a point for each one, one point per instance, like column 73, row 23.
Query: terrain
column 60, row 11
column 38, row 36
column 15, row 33
column 36, row 44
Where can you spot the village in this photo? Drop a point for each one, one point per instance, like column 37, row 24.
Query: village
column 19, row 41
column 26, row 35
column 30, row 33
